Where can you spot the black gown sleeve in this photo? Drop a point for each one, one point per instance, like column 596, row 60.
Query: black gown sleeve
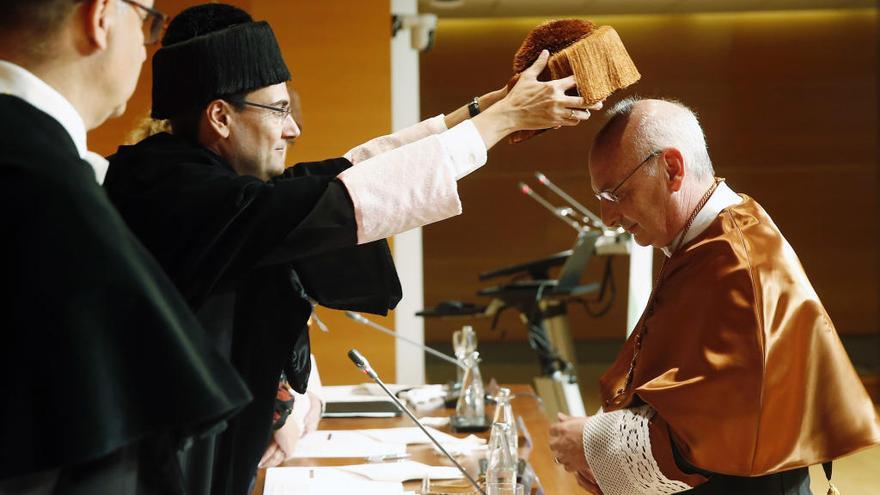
column 322, row 245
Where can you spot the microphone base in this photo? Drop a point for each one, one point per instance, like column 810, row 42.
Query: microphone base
column 458, row 425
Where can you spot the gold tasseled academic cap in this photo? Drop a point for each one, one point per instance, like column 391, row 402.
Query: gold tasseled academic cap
column 595, row 55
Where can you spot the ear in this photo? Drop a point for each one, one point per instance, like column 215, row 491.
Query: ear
column 673, row 167
column 218, row 115
column 100, row 16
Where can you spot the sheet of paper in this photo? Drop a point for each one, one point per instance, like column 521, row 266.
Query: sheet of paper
column 403, row 471
column 344, row 443
column 409, row 435
column 357, row 393
column 414, row 435
column 324, row 481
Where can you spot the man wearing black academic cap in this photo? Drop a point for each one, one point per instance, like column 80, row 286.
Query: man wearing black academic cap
column 104, row 369
column 248, row 242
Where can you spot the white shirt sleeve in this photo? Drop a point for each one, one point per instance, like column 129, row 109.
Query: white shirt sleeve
column 414, row 184
column 379, row 145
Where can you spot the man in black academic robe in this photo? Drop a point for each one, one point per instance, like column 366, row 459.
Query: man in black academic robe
column 105, row 371
column 244, row 253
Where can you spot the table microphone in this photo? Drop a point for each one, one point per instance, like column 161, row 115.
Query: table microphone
column 525, row 189
column 564, row 195
column 361, row 362
column 361, row 319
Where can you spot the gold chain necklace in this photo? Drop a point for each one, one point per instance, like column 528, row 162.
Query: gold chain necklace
column 649, row 308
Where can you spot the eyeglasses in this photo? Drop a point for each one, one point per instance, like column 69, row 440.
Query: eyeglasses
column 281, row 112
column 611, row 195
column 153, row 22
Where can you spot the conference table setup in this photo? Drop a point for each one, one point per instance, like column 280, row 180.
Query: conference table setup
column 372, row 451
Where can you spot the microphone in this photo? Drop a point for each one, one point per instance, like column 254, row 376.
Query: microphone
column 364, row 321
column 546, row 204
column 361, row 362
column 564, row 195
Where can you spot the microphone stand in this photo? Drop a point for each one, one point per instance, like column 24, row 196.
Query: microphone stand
column 525, row 189
column 375, row 326
column 361, row 362
column 570, row 200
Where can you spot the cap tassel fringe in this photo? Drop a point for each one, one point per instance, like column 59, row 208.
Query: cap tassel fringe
column 598, row 60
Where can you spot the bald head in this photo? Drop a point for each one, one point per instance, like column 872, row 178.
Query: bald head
column 637, row 127
column 649, row 166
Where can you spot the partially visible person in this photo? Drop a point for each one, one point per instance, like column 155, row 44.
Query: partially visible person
column 249, row 243
column 105, row 371
column 295, row 416
column 734, row 381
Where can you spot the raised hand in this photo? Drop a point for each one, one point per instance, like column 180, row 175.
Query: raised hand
column 533, row 104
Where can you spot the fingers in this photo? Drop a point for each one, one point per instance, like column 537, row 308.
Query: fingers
column 562, row 416
column 538, row 66
column 572, row 117
column 563, row 84
column 579, row 103
column 276, row 459
column 270, row 453
column 588, row 484
column 573, row 102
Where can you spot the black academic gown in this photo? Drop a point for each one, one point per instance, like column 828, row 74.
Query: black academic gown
column 245, row 253
column 104, row 370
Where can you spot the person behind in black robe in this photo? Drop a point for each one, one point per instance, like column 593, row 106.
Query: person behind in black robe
column 104, row 369
column 248, row 243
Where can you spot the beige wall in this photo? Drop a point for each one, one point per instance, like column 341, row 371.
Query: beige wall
column 789, row 105
column 339, row 54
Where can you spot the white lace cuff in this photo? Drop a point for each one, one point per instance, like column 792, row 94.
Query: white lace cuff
column 617, row 446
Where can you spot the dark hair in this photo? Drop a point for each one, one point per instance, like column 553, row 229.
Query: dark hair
column 186, row 122
column 36, row 16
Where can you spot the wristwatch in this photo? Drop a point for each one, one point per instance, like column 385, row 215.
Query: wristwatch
column 474, row 107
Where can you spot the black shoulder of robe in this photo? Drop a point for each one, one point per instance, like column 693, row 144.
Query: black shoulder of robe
column 207, row 225
column 99, row 350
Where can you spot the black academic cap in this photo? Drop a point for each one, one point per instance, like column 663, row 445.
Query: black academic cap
column 209, row 51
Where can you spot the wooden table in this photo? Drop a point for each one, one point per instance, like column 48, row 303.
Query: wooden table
column 552, row 476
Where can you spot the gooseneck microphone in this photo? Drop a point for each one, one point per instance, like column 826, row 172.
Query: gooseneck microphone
column 573, row 202
column 361, row 362
column 375, row 326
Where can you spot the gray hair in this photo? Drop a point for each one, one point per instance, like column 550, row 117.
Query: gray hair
column 677, row 128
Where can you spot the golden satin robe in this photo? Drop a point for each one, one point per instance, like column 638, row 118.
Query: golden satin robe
column 740, row 360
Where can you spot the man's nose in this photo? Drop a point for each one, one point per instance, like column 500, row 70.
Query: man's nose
column 290, row 130
column 608, row 212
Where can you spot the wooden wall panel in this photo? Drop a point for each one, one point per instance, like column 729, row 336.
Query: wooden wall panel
column 789, row 104
column 339, row 54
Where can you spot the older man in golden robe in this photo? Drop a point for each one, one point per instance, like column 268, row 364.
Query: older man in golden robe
column 734, row 380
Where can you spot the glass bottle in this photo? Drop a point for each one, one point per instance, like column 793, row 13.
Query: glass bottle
column 471, row 406
column 504, row 415
column 501, row 465
column 464, row 342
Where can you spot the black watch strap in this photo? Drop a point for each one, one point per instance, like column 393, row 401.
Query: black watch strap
column 474, row 107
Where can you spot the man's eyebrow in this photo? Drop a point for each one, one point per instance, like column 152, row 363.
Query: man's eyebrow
column 281, row 103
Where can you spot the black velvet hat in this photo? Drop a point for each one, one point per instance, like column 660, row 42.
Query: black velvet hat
column 210, row 51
